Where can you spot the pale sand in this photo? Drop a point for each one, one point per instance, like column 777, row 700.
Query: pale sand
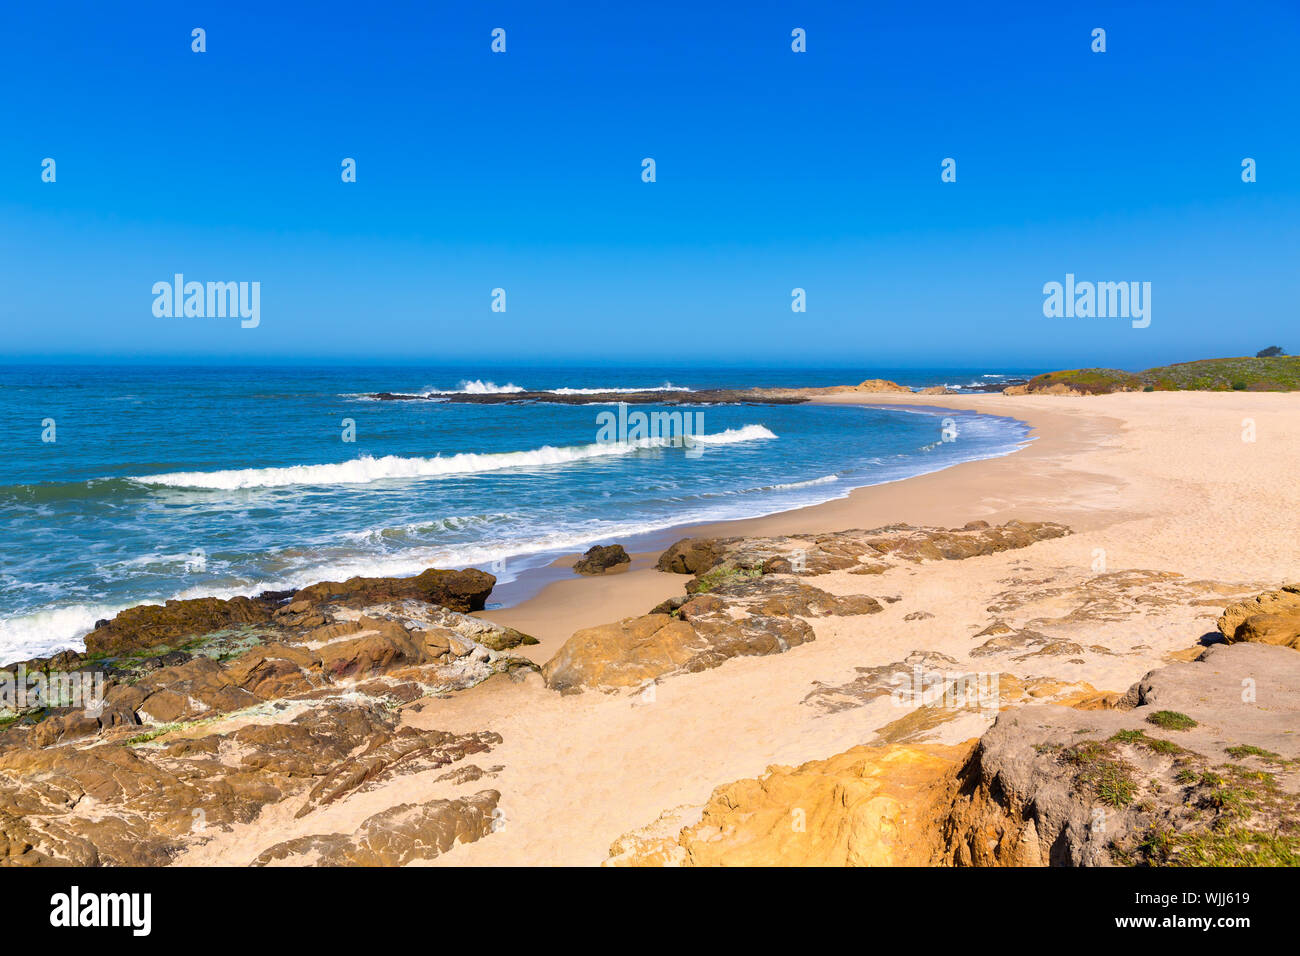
column 1157, row 480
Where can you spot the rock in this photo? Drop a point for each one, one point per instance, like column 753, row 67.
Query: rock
column 879, row 385
column 858, row 552
column 936, row 390
column 462, row 591
column 151, row 625
column 1046, row 785
column 601, row 559
column 396, row 836
column 1272, row 617
column 1059, row 786
column 869, row 806
column 624, row 654
column 1055, row 388
column 690, row 556
column 140, row 804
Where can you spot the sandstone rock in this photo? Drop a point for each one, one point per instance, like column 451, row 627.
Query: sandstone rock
column 1272, row 617
column 149, row 626
column 869, row 806
column 690, row 556
column 602, row 559
column 396, row 836
column 879, row 385
column 462, row 591
column 624, row 654
column 1032, row 791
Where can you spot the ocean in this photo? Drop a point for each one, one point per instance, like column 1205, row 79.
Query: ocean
column 135, row 484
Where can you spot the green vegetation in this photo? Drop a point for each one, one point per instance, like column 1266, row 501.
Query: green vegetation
column 1099, row 769
column 149, row 735
column 1238, row 846
column 1154, row 744
column 1171, row 720
column 723, row 575
column 1273, row 373
column 1246, row 750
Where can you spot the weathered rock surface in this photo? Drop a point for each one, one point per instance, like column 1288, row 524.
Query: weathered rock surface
column 154, row 625
column 291, row 698
column 1198, row 764
column 869, row 806
column 463, row 591
column 394, row 837
column 601, row 559
column 1054, row 786
column 739, row 616
column 1272, row 617
column 864, row 552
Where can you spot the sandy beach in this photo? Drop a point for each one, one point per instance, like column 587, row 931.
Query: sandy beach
column 1171, row 510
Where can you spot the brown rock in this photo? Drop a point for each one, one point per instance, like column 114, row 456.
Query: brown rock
column 462, row 591
column 602, row 559
column 149, row 625
column 690, row 556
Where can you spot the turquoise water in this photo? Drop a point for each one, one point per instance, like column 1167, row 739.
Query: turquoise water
column 170, row 482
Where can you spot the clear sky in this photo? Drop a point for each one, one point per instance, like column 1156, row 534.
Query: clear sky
column 775, row 170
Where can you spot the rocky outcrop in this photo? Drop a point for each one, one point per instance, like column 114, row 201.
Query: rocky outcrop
column 744, row 615
column 878, row 385
column 140, row 800
column 692, row 555
column 1272, row 617
column 602, row 559
column 1198, row 764
column 869, row 806
column 394, row 837
column 1201, row 770
column 859, row 552
column 299, row 703
column 154, row 625
column 1055, row 388
column 463, row 591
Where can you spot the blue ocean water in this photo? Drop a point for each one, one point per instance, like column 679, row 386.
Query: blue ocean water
column 180, row 482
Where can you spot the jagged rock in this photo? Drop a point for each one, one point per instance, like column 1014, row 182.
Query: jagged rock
column 1272, row 617
column 125, row 803
column 462, row 591
column 152, row 625
column 858, row 552
column 396, row 836
column 601, row 559
column 1057, row 786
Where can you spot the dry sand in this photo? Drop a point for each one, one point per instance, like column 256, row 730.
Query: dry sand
column 1160, row 481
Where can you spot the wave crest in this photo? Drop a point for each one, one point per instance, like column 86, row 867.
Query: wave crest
column 364, row 470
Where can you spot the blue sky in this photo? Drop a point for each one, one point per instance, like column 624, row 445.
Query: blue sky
column 775, row 170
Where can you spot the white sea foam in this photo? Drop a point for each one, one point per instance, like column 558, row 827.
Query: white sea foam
column 44, row 632
column 480, row 387
column 823, row 480
column 366, row 469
